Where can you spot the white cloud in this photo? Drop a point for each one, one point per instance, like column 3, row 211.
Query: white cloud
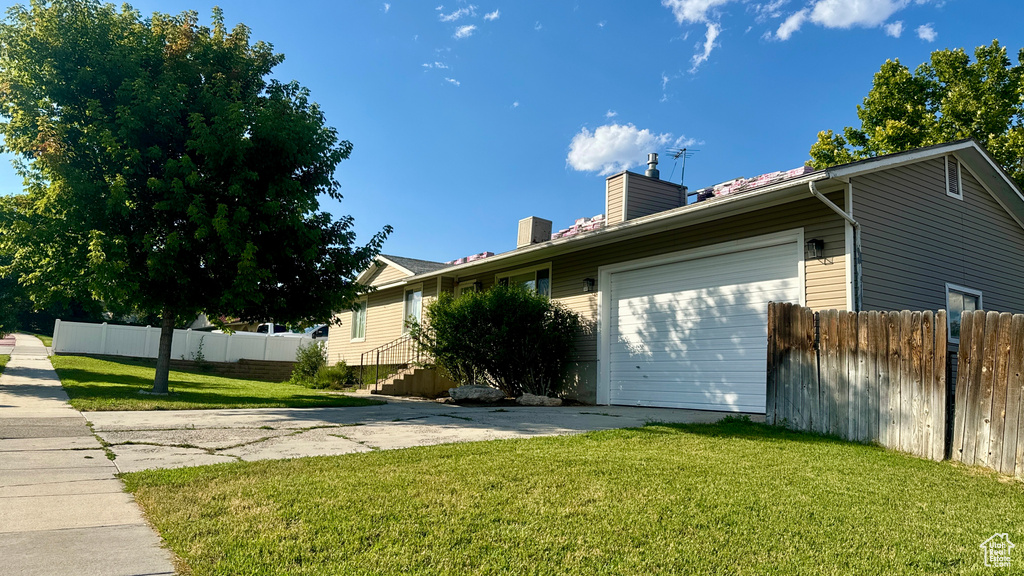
column 611, row 114
column 452, row 17
column 927, row 33
column 849, row 13
column 602, row 23
column 768, row 11
column 538, row 26
column 515, row 104
column 387, row 7
column 791, row 25
column 453, row 81
column 894, row 29
column 709, row 44
column 492, row 15
column 613, row 147
column 438, row 65
column 693, row 11
column 465, row 31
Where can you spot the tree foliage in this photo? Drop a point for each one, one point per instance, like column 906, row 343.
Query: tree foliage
column 166, row 172
column 948, row 98
column 507, row 337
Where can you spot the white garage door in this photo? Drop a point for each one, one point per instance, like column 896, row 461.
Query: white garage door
column 693, row 334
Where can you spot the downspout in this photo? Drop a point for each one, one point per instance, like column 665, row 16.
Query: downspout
column 858, row 296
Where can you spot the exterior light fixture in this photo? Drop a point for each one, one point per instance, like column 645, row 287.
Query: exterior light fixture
column 588, row 284
column 814, row 249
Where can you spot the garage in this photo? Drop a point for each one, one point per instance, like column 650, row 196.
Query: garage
column 689, row 330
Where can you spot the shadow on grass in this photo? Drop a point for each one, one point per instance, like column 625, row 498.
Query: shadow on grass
column 116, row 384
column 743, row 428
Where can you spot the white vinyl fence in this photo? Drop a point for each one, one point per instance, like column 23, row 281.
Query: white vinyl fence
column 139, row 342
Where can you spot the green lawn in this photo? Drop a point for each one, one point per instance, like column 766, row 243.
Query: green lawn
column 4, row 358
column 730, row 498
column 47, row 340
column 105, row 384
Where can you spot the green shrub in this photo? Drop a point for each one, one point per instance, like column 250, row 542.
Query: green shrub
column 309, row 360
column 506, row 337
column 337, row 377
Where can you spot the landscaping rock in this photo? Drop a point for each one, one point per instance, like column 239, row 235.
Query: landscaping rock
column 534, row 400
column 476, row 394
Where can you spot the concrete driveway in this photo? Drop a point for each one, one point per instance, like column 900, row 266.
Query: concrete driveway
column 172, row 439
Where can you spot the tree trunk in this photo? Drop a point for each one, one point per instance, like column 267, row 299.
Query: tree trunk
column 163, row 356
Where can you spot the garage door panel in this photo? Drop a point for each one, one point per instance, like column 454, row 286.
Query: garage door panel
column 717, row 270
column 638, row 312
column 698, row 362
column 727, row 286
column 692, row 334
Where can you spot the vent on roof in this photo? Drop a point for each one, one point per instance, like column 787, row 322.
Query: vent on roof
column 954, row 184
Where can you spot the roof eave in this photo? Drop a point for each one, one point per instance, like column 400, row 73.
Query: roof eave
column 675, row 218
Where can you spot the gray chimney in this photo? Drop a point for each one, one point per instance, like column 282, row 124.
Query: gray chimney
column 652, row 166
column 533, row 230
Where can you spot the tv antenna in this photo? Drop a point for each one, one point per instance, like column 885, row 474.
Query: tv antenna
column 683, row 153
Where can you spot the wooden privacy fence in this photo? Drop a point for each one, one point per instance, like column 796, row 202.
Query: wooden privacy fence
column 988, row 429
column 864, row 376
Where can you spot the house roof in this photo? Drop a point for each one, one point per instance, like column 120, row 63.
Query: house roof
column 413, row 265
column 977, row 160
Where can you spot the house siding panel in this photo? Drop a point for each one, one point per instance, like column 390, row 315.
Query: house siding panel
column 648, row 196
column 387, row 275
column 915, row 239
column 614, row 190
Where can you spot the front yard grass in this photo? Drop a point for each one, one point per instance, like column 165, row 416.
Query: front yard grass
column 105, row 384
column 46, row 340
column 4, row 359
column 728, row 498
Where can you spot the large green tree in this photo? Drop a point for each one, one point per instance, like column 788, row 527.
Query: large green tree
column 948, row 98
column 167, row 172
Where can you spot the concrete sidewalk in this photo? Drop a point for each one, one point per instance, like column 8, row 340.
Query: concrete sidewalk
column 62, row 510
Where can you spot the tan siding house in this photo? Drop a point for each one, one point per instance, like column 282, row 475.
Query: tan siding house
column 676, row 294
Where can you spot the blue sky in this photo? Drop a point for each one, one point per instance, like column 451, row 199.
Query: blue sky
column 467, row 116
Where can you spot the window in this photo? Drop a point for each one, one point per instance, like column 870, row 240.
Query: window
column 413, row 307
column 958, row 301
column 466, row 286
column 535, row 279
column 359, row 321
column 954, row 183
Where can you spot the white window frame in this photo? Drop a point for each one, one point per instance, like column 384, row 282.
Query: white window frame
column 510, row 273
column 959, row 178
column 366, row 310
column 949, row 316
column 405, row 311
column 463, row 286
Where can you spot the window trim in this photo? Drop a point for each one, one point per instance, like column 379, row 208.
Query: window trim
column 949, row 317
column 463, row 286
column 959, row 177
column 510, row 273
column 366, row 310
column 405, row 312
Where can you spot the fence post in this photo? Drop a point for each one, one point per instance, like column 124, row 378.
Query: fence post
column 227, row 347
column 56, row 332
column 266, row 342
column 103, row 339
column 188, row 343
column 145, row 349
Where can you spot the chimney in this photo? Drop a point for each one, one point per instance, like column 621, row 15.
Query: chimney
column 533, row 230
column 652, row 166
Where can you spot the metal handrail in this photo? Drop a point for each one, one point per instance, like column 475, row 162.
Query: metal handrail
column 400, row 352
